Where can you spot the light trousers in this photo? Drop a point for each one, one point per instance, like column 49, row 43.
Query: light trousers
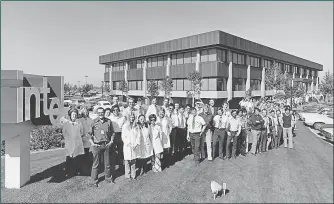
column 208, row 140
column 256, row 137
column 287, row 134
column 130, row 168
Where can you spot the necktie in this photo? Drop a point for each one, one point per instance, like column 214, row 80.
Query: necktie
column 182, row 121
column 193, row 124
column 220, row 124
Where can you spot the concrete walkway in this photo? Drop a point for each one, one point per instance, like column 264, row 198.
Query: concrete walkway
column 304, row 174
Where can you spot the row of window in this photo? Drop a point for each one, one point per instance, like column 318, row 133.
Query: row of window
column 254, row 61
column 267, row 63
column 238, row 58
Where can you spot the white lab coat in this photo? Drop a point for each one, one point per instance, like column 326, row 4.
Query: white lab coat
column 145, row 142
column 131, row 142
column 73, row 133
column 157, row 138
column 165, row 125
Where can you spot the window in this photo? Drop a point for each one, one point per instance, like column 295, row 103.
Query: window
column 205, row 84
column 116, row 85
column 301, row 71
column 174, row 59
column 254, row 61
column 241, row 59
column 149, row 62
column 235, row 58
column 154, row 62
column 143, row 63
column 256, row 84
column 160, row 61
column 186, row 85
column 174, row 85
column 222, row 84
column 221, row 55
column 193, row 57
column 238, row 84
column 121, row 66
column 107, row 68
column 139, row 64
column 179, row 59
column 204, row 55
column 116, row 67
column 165, row 58
column 212, row 84
column 179, row 84
column 187, row 57
column 315, row 73
column 212, row 55
column 139, row 85
column 133, row 64
column 267, row 63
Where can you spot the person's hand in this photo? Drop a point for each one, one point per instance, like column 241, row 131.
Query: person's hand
column 96, row 145
column 109, row 143
column 228, row 133
column 188, row 138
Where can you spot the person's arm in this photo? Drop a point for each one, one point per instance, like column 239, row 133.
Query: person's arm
column 111, row 132
column 228, row 126
column 203, row 125
column 124, row 137
column 239, row 129
column 91, row 133
column 188, row 136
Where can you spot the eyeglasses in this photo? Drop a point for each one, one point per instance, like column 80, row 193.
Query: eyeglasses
column 100, row 113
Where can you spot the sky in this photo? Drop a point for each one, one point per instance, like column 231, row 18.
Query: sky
column 67, row 38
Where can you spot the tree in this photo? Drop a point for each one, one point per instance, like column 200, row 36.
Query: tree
column 326, row 85
column 152, row 88
column 248, row 94
column 166, row 86
column 107, row 88
column 275, row 78
column 74, row 88
column 87, row 88
column 196, row 84
column 123, row 86
column 67, row 88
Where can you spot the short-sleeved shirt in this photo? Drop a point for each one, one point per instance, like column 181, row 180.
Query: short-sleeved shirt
column 117, row 122
column 195, row 126
column 102, row 130
column 208, row 118
column 220, row 121
column 233, row 124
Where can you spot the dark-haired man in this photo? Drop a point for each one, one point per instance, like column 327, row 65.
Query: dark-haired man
column 233, row 130
column 257, row 122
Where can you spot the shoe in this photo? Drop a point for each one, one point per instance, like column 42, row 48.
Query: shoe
column 221, row 157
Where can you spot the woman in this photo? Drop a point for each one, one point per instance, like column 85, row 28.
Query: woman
column 130, row 148
column 157, row 143
column 166, row 127
column 145, row 144
column 86, row 122
column 73, row 132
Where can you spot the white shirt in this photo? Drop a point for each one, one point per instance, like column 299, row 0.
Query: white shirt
column 184, row 123
column 117, row 122
column 127, row 112
column 224, row 120
column 199, row 122
column 152, row 109
column 175, row 120
column 234, row 124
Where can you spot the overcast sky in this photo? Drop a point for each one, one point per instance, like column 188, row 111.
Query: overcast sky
column 67, row 38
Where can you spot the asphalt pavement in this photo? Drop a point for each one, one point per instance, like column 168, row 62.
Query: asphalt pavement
column 303, row 174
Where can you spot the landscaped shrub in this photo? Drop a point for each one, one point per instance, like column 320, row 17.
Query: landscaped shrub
column 46, row 137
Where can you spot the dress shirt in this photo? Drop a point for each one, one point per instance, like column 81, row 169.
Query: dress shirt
column 195, row 124
column 175, row 120
column 182, row 121
column 152, row 109
column 208, row 118
column 233, row 124
column 102, row 130
column 128, row 110
column 220, row 120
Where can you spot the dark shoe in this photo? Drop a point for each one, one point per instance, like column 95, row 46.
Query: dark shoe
column 224, row 158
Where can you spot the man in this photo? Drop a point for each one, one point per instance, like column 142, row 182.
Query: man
column 196, row 127
column 170, row 111
column 207, row 135
column 174, row 142
column 265, row 130
column 181, row 139
column 219, row 122
column 107, row 113
column 117, row 122
column 212, row 108
column 130, row 109
column 165, row 104
column 274, row 128
column 187, row 111
column 115, row 101
column 256, row 124
column 279, row 136
column 199, row 106
column 176, row 108
column 225, row 111
column 243, row 134
column 287, row 128
column 152, row 109
column 233, row 131
column 102, row 136
column 139, row 106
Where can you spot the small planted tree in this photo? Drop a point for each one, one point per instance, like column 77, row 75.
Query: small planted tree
column 152, row 88
column 67, row 88
column 275, row 78
column 196, row 84
column 123, row 86
column 166, row 87
column 87, row 88
column 326, row 85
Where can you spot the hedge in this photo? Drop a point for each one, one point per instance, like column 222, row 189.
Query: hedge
column 43, row 138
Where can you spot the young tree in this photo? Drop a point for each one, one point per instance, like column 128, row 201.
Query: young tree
column 152, row 88
column 107, row 88
column 196, row 84
column 123, row 86
column 275, row 78
column 166, row 86
column 87, row 88
column 67, row 88
column 326, row 85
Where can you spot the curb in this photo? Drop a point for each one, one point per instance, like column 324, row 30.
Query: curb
column 41, row 151
column 322, row 138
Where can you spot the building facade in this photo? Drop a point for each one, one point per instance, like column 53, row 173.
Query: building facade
column 228, row 64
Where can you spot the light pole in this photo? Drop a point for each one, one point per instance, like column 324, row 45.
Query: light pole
column 86, row 80
column 102, row 87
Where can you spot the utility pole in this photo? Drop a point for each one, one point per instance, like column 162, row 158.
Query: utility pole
column 102, row 88
column 86, row 80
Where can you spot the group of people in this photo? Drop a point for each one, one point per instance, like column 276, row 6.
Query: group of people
column 141, row 138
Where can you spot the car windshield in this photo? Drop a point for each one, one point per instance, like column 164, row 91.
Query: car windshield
column 106, row 104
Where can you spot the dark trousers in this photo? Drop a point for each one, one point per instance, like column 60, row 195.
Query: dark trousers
column 173, row 135
column 181, row 140
column 218, row 135
column 97, row 153
column 144, row 165
column 203, row 137
column 279, row 136
column 116, row 152
column 72, row 165
column 242, row 141
column 195, row 140
column 263, row 140
column 86, row 162
column 234, row 145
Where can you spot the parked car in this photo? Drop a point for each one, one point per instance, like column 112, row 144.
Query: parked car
column 77, row 102
column 67, row 103
column 103, row 104
column 327, row 131
column 317, row 120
